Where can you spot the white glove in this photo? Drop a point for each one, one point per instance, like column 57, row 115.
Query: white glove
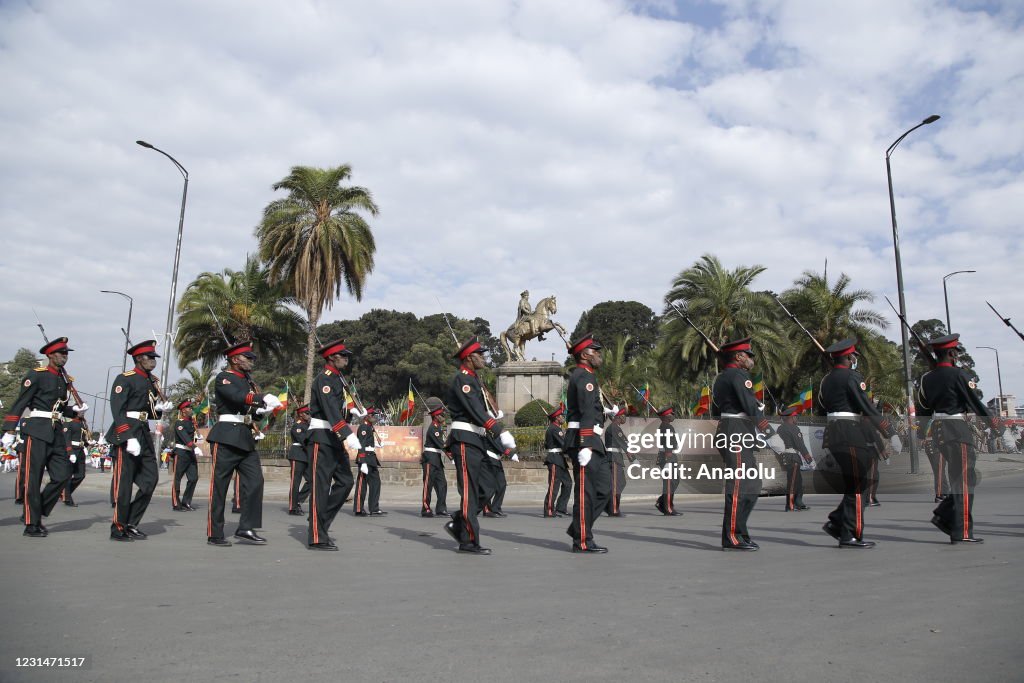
column 492, row 454
column 7, row 440
column 776, row 443
column 197, row 450
column 500, row 415
column 73, row 458
column 80, row 409
column 133, row 446
column 515, row 457
column 364, row 468
column 584, row 456
column 352, row 441
column 259, row 436
column 610, row 412
column 507, row 440
column 264, row 411
column 165, row 406
column 896, row 443
column 356, row 413
column 271, row 401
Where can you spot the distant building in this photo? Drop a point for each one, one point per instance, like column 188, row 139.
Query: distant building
column 1004, row 405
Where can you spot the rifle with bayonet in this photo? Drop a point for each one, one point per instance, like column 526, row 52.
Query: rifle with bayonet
column 922, row 345
column 1006, row 321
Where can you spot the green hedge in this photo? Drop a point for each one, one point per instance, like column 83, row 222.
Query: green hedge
column 534, row 414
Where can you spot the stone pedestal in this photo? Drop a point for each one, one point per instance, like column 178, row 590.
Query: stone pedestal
column 518, row 379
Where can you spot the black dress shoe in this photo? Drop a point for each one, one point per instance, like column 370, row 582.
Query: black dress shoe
column 742, row 545
column 441, row 513
column 34, row 532
column 218, row 540
column 122, row 536
column 830, row 529
column 955, row 541
column 135, row 533
column 473, row 549
column 361, row 514
column 298, row 509
column 939, row 499
column 937, row 521
column 576, row 548
column 613, row 514
column 803, row 507
column 251, row 537
column 70, row 503
column 674, row 513
column 295, row 513
column 236, row 511
column 874, row 504
column 749, row 542
column 178, row 508
column 562, row 513
column 450, row 528
column 856, row 543
column 426, row 513
column 189, row 507
column 323, row 546
column 377, row 513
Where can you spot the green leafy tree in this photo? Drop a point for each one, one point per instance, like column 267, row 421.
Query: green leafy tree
column 317, row 243
column 11, row 374
column 534, row 414
column 609, row 320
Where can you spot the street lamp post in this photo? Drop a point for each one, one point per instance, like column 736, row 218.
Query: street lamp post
column 177, row 257
column 106, row 387
column 945, row 295
column 128, row 330
column 999, row 375
column 911, row 412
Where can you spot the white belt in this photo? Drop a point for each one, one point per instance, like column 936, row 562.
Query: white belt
column 467, row 427
column 554, row 450
column 295, row 443
column 47, row 414
column 317, row 423
column 137, row 414
column 369, row 449
column 734, row 415
column 614, row 450
column 840, row 416
column 182, row 447
column 432, row 450
column 76, row 443
column 239, row 419
column 599, row 430
column 947, row 416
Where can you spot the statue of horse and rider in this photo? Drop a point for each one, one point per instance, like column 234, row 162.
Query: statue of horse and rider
column 530, row 324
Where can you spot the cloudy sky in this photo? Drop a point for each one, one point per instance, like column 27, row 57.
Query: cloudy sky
column 589, row 148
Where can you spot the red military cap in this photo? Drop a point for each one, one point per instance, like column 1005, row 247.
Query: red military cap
column 60, row 344
column 556, row 412
column 240, row 349
column 144, row 348
column 736, row 345
column 587, row 341
column 437, row 411
column 334, row 347
column 667, row 412
column 471, row 346
column 187, row 403
column 304, row 408
column 950, row 341
column 843, row 348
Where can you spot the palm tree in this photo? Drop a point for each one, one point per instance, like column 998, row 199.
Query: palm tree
column 721, row 303
column 315, row 243
column 248, row 308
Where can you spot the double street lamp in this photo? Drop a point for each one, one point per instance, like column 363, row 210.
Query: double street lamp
column 912, row 432
column 945, row 295
column 177, row 257
column 128, row 330
column 999, row 375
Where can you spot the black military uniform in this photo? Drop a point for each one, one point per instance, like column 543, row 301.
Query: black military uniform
column 616, row 447
column 368, row 483
column 184, row 463
column 668, row 439
column 327, row 437
column 947, row 392
column 471, row 423
column 299, row 459
column 740, row 417
column 851, row 416
column 559, row 482
column 44, row 393
column 133, row 403
column 492, row 478
column 19, row 478
column 584, row 429
column 433, row 466
column 233, row 448
column 936, row 458
column 796, row 450
column 75, row 437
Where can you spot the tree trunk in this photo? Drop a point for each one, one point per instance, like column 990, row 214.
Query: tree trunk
column 311, row 345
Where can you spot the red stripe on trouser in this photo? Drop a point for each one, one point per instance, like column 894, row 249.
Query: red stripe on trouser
column 426, row 487
column 209, row 507
column 583, row 507
column 117, row 486
column 938, row 479
column 291, row 487
column 238, row 490
column 174, row 484
column 465, row 494
column 359, row 492
column 791, row 496
column 668, row 496
column 24, row 479
column 615, row 488
column 859, row 526
column 549, row 500
column 314, row 514
column 733, row 511
column 963, row 485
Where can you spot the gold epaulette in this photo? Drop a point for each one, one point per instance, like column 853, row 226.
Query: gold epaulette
column 42, row 369
column 128, row 374
column 464, row 372
column 69, row 377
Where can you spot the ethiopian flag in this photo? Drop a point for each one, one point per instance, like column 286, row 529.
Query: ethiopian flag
column 410, row 406
column 703, row 404
column 805, row 401
column 759, row 387
column 204, row 406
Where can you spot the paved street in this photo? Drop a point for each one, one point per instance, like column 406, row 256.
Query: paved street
column 397, row 604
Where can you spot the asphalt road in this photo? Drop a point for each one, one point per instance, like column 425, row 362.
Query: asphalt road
column 398, row 604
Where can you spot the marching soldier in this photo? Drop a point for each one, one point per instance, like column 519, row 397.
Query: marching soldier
column 616, row 446
column 233, row 447
column 76, row 437
column 44, row 392
column 559, row 481
column 133, row 401
column 741, row 417
column 471, row 423
column 433, row 467
column 368, row 480
column 668, row 439
column 585, row 415
column 492, row 478
column 327, row 436
column 796, row 450
column 851, row 416
column 185, row 452
column 299, row 459
column 947, row 392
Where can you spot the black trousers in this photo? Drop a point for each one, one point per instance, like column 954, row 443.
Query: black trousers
column 299, row 484
column 77, row 474
column 52, row 458
column 559, row 489
column 492, row 485
column 113, row 474
column 618, row 474
column 434, row 481
column 740, row 496
column 593, row 487
column 367, row 490
column 183, row 464
column 331, row 483
column 937, row 459
column 957, row 509
column 855, row 465
column 873, row 479
column 667, row 500
column 468, row 463
column 227, row 460
column 19, row 479
column 236, row 495
column 132, row 471
column 794, row 485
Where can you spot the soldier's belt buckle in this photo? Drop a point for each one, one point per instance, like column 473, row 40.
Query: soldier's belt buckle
column 247, row 419
column 143, row 415
column 56, row 416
